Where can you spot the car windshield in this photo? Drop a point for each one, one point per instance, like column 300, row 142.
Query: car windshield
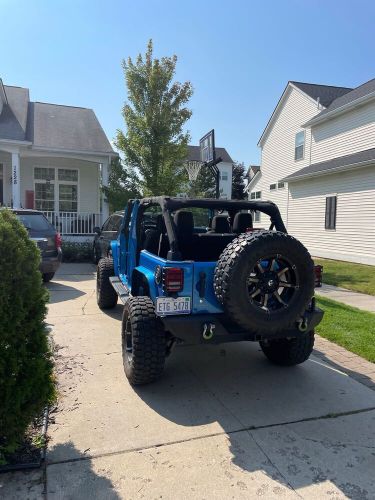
column 34, row 222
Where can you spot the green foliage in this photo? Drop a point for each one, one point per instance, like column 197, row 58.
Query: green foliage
column 76, row 252
column 154, row 142
column 203, row 187
column 348, row 326
column 26, row 382
column 123, row 184
column 238, row 182
column 356, row 277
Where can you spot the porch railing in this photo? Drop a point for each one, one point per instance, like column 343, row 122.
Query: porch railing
column 74, row 223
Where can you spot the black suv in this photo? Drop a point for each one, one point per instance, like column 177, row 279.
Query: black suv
column 46, row 237
column 105, row 234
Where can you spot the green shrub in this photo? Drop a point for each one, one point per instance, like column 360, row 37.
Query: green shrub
column 76, row 252
column 26, row 369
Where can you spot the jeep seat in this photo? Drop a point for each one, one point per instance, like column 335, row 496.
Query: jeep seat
column 184, row 222
column 220, row 224
column 152, row 237
column 242, row 221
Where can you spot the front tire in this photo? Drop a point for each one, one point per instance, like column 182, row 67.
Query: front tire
column 106, row 297
column 47, row 277
column 143, row 341
column 289, row 352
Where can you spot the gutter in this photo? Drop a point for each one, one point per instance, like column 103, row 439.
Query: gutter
column 329, row 171
column 339, row 110
column 73, row 151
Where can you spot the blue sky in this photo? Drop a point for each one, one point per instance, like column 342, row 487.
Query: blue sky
column 238, row 54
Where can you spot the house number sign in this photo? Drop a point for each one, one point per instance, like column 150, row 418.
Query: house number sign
column 15, row 177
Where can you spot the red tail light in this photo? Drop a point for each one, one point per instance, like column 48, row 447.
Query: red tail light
column 318, row 276
column 173, row 279
column 58, row 240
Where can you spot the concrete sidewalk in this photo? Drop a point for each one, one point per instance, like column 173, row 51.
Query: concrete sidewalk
column 348, row 297
column 221, row 423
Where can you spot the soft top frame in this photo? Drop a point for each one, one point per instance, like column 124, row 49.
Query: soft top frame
column 171, row 204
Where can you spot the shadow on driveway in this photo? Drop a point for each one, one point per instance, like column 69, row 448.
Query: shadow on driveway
column 88, row 484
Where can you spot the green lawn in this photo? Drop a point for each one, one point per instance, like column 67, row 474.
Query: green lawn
column 349, row 327
column 357, row 277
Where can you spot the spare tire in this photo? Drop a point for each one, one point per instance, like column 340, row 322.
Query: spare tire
column 264, row 281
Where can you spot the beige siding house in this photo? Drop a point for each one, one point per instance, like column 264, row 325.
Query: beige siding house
column 53, row 158
column 318, row 165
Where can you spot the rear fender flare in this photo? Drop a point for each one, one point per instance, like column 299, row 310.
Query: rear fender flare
column 141, row 273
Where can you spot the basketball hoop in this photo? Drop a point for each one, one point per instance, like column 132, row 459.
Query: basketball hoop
column 193, row 168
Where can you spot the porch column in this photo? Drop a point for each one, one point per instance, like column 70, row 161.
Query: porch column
column 105, row 173
column 16, row 180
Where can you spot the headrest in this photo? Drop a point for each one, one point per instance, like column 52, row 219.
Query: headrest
column 220, row 224
column 242, row 220
column 160, row 224
column 184, row 222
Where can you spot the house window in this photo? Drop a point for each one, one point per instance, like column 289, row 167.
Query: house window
column 224, row 176
column 331, row 207
column 299, row 149
column 280, row 185
column 273, row 187
column 255, row 195
column 257, row 216
column 56, row 189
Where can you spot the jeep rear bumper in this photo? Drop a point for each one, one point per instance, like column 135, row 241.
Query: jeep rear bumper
column 198, row 330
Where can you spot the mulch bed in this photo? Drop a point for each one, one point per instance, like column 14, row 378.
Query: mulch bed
column 30, row 453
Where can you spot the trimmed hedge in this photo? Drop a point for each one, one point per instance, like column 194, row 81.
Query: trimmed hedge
column 26, row 368
column 77, row 252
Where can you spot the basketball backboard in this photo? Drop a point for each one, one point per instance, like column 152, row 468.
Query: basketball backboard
column 207, row 146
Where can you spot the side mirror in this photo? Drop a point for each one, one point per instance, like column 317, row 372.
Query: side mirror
column 97, row 230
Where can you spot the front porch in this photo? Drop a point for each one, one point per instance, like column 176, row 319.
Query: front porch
column 67, row 189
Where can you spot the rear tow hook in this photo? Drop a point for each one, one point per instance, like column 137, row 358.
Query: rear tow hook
column 303, row 324
column 208, row 331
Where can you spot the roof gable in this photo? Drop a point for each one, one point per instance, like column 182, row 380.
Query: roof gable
column 50, row 126
column 54, row 126
column 322, row 94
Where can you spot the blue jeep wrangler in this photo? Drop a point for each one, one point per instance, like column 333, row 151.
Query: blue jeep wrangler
column 196, row 271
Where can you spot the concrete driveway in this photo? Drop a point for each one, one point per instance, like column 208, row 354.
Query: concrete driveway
column 221, row 423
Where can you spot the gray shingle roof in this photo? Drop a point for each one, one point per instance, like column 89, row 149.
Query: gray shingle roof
column 13, row 119
column 349, row 97
column 66, row 127
column 51, row 126
column 194, row 154
column 325, row 167
column 325, row 93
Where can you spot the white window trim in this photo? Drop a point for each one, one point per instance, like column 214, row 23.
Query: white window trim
column 304, row 145
column 56, row 183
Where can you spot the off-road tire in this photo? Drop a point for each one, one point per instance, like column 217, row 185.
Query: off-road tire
column 289, row 352
column 47, row 277
column 146, row 361
column 234, row 267
column 95, row 257
column 106, row 297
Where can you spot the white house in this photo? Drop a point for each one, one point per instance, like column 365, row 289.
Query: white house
column 53, row 158
column 225, row 167
column 318, row 165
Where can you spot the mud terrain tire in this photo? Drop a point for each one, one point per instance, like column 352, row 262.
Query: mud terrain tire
column 289, row 352
column 243, row 260
column 106, row 297
column 143, row 341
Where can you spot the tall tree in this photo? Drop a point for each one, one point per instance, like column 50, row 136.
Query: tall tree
column 238, row 181
column 123, row 184
column 154, row 142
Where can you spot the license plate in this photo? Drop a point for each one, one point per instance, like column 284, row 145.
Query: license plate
column 171, row 305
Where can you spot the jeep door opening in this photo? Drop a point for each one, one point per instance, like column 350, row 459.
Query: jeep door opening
column 196, row 271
